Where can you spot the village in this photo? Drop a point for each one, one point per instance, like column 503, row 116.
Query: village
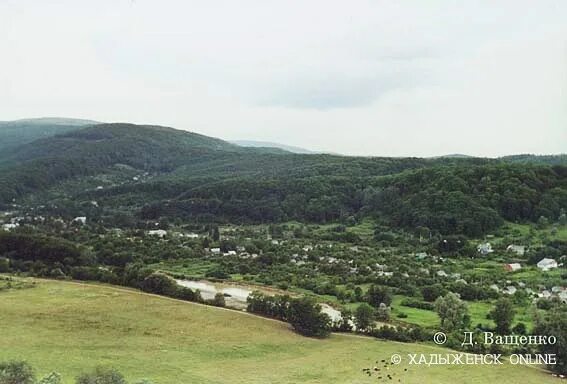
column 301, row 259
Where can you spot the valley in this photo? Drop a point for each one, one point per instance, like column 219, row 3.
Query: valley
column 354, row 255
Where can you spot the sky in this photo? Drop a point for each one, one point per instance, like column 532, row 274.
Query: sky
column 372, row 78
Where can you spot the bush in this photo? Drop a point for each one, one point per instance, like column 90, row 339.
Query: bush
column 307, row 319
column 52, row 378
column 16, row 372
column 413, row 303
column 101, row 376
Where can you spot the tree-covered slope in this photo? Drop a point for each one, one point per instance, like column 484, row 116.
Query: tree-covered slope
column 195, row 177
column 16, row 133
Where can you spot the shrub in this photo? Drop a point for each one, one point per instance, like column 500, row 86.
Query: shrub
column 16, row 372
column 101, row 376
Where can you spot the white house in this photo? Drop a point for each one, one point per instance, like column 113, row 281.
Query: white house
column 512, row 267
column 441, row 274
column 546, row 264
column 510, row 290
column 157, row 232
column 9, row 227
column 80, row 219
column 519, row 250
column 484, row 249
column 215, row 250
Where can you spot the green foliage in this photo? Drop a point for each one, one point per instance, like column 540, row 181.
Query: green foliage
column 16, row 372
column 307, row 319
column 364, row 317
column 101, row 375
column 52, row 378
column 555, row 324
column 503, row 315
column 452, row 312
column 377, row 295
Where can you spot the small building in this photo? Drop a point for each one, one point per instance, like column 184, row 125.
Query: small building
column 510, row 290
column 421, row 255
column 80, row 220
column 512, row 267
column 216, row 251
column 9, row 227
column 157, row 232
column 546, row 264
column 484, row 249
column 519, row 250
column 441, row 274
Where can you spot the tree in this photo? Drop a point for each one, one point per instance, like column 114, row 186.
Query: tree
column 364, row 317
column 160, row 284
column 52, row 378
column 452, row 311
column 555, row 324
column 542, row 222
column 101, row 376
column 306, row 318
column 383, row 312
column 219, row 300
column 503, row 315
column 432, row 292
column 377, row 295
column 16, row 372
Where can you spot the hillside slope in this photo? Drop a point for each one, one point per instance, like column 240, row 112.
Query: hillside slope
column 172, row 342
column 193, row 177
column 16, row 133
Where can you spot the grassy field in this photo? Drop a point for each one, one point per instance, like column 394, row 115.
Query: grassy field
column 71, row 328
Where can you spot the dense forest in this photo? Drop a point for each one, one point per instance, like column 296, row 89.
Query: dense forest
column 208, row 180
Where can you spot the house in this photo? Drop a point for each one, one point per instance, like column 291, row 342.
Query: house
column 441, row 274
column 510, row 290
column 519, row 250
column 512, row 267
column 557, row 289
column 546, row 264
column 9, row 227
column 484, row 249
column 80, row 220
column 495, row 287
column 563, row 296
column 421, row 255
column 216, row 251
column 157, row 232
column 231, row 253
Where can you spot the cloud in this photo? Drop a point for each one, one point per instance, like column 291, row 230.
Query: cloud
column 367, row 77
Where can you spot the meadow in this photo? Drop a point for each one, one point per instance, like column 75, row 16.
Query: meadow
column 70, row 328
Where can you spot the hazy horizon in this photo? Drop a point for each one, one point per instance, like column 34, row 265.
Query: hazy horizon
column 371, row 78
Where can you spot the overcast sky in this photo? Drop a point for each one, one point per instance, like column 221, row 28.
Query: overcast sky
column 385, row 78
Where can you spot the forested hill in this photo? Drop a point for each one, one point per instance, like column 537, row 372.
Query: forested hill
column 16, row 133
column 195, row 177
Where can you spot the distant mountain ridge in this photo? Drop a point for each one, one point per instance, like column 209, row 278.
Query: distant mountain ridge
column 18, row 132
column 269, row 144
